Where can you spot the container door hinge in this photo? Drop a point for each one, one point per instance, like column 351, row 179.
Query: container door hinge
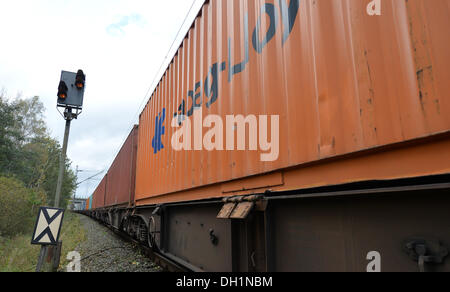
column 425, row 251
column 240, row 207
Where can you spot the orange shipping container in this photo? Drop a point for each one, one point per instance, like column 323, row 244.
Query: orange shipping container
column 87, row 204
column 98, row 198
column 358, row 97
column 120, row 188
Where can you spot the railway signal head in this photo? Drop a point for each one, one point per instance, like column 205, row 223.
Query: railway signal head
column 80, row 79
column 71, row 90
column 62, row 90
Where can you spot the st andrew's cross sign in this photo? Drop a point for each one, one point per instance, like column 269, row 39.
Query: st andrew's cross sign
column 48, row 226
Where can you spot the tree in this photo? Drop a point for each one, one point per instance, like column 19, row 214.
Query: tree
column 18, row 207
column 28, row 153
column 10, row 135
column 32, row 123
column 49, row 176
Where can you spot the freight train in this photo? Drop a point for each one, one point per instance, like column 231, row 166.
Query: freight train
column 352, row 114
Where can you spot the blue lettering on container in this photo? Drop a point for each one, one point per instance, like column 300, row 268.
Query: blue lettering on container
column 160, row 130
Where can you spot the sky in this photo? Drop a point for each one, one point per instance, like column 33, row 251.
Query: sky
column 119, row 44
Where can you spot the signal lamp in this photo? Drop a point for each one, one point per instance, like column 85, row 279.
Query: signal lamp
column 80, row 79
column 62, row 90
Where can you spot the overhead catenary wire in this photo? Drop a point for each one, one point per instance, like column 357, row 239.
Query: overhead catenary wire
column 158, row 73
column 91, row 177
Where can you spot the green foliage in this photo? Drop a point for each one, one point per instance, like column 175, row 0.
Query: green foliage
column 10, row 135
column 31, row 112
column 17, row 255
column 30, row 156
column 18, row 207
column 40, row 168
column 73, row 234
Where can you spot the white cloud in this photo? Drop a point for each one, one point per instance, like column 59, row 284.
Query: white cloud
column 119, row 28
column 119, row 44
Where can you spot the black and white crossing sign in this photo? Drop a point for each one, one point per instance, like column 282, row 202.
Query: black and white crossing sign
column 48, row 226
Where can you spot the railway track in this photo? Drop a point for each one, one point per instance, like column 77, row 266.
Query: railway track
column 165, row 263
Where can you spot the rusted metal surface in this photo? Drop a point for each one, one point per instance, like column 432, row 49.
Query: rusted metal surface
column 98, row 198
column 336, row 234
column 337, row 228
column 345, row 85
column 120, row 188
column 193, row 235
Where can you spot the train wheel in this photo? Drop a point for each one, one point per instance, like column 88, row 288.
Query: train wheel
column 152, row 234
column 129, row 228
column 123, row 225
column 142, row 233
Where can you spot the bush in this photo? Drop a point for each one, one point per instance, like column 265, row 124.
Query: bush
column 18, row 207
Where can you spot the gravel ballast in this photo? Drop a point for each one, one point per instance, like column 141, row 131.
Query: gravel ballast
column 104, row 251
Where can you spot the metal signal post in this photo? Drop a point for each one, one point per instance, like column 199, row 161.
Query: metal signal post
column 69, row 117
column 70, row 97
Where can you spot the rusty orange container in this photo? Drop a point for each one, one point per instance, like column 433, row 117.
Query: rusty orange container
column 98, row 198
column 358, row 97
column 87, row 204
column 120, row 188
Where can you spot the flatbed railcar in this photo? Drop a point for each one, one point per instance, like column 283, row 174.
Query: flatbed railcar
column 362, row 176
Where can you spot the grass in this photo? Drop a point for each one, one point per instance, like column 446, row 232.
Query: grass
column 18, row 255
column 73, row 234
